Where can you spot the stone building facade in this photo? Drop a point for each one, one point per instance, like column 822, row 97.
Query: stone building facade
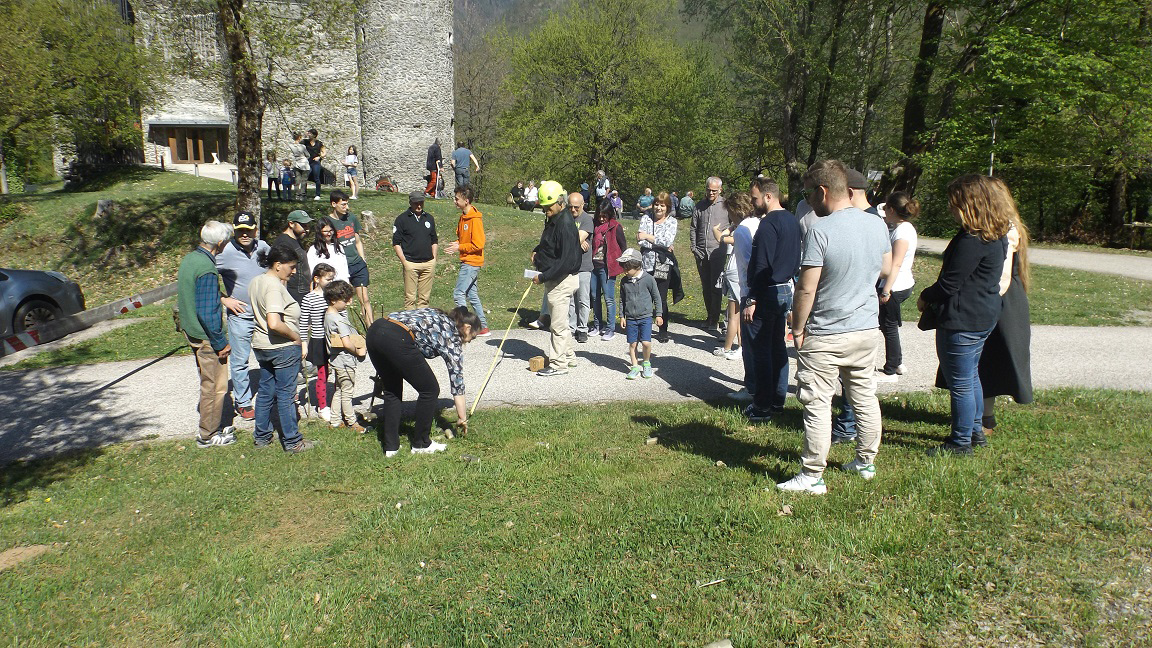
column 386, row 88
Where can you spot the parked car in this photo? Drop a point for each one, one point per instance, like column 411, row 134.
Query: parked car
column 29, row 298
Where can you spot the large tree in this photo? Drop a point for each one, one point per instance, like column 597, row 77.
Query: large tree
column 71, row 73
column 604, row 85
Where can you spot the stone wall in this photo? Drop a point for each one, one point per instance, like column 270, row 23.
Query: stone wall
column 406, row 98
column 387, row 88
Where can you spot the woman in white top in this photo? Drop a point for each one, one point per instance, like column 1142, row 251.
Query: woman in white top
column 351, row 161
column 899, row 210
column 326, row 249
column 739, row 206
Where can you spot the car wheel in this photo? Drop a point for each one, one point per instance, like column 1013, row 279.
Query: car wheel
column 33, row 313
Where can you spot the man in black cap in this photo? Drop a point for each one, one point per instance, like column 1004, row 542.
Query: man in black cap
column 300, row 283
column 414, row 240
column 238, row 265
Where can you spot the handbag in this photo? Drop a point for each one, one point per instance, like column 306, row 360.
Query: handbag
column 929, row 318
column 662, row 269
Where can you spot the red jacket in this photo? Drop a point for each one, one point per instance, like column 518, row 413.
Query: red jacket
column 610, row 234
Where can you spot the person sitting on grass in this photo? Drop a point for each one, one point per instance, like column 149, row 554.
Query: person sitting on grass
column 347, row 349
column 639, row 299
column 313, row 342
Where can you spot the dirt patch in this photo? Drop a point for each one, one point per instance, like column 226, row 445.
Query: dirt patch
column 1139, row 317
column 9, row 558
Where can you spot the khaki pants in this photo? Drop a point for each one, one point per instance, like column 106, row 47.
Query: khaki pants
column 342, row 410
column 560, row 292
column 417, row 283
column 213, row 386
column 824, row 358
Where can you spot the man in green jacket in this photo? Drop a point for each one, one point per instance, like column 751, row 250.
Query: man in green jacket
column 201, row 318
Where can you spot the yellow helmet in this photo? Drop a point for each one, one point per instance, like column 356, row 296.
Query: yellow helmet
column 550, row 191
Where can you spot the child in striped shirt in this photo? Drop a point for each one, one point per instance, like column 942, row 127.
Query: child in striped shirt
column 312, row 339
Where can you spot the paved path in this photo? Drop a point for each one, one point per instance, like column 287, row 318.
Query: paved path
column 1135, row 266
column 52, row 410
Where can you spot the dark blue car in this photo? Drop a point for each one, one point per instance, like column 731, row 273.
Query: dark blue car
column 29, row 298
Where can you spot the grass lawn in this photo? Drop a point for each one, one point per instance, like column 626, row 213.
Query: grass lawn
column 561, row 526
column 161, row 214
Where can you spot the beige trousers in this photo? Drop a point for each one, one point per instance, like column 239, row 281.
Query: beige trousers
column 341, row 402
column 213, row 386
column 560, row 292
column 418, row 283
column 823, row 359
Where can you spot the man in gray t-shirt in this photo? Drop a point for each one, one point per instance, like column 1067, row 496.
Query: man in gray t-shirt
column 835, row 323
column 578, row 313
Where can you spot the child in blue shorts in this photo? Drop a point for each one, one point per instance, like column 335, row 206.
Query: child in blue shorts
column 639, row 300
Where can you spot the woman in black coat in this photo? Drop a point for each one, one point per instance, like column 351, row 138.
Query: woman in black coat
column 966, row 299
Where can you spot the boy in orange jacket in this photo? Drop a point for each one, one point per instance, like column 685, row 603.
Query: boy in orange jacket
column 469, row 244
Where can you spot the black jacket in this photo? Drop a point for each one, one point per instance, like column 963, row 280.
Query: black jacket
column 558, row 253
column 967, row 292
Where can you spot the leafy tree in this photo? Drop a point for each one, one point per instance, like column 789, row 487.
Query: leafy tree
column 71, row 74
column 604, row 85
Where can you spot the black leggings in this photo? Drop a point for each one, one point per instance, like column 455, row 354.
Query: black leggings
column 662, row 288
column 394, row 355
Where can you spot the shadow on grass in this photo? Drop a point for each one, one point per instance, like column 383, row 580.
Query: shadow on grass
column 135, row 233
column 713, row 442
column 19, row 478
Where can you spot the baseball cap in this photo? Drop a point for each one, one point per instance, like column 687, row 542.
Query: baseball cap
column 244, row 219
column 631, row 254
column 299, row 216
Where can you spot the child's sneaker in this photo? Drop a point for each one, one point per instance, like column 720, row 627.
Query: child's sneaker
column 608, row 335
column 484, row 332
column 326, row 413
column 647, row 370
column 634, row 372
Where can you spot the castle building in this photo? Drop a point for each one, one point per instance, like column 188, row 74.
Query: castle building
column 386, row 88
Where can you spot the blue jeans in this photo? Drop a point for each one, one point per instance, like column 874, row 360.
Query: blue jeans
column 769, row 348
column 748, row 357
column 317, row 176
column 959, row 354
column 844, row 425
column 466, row 291
column 278, row 369
column 604, row 287
column 240, row 338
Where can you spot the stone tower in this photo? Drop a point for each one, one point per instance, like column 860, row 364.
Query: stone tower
column 406, row 83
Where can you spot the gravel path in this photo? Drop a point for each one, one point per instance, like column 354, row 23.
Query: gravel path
column 54, row 410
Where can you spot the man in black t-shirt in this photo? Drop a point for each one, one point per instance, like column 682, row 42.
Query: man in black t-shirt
column 299, row 283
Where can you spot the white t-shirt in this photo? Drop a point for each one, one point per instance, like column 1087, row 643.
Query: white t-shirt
column 904, row 232
column 351, row 160
column 742, row 240
column 336, row 259
column 531, row 194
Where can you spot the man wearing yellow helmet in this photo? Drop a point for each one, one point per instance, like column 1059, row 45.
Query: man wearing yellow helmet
column 557, row 257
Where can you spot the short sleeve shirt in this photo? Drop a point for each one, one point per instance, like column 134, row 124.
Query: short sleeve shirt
column 346, row 233
column 268, row 295
column 849, row 246
column 337, row 324
column 461, row 157
column 585, row 224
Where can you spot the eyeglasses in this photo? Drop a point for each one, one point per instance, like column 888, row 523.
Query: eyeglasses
column 327, row 232
column 244, row 234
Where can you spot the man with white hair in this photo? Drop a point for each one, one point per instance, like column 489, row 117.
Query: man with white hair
column 710, row 255
column 201, row 318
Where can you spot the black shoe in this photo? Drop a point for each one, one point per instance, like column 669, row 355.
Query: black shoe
column 836, row 440
column 662, row 338
column 978, row 439
column 950, row 449
column 756, row 415
column 581, row 337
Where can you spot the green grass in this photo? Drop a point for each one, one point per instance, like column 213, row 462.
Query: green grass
column 560, row 526
column 160, row 215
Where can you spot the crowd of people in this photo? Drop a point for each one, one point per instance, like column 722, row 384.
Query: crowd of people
column 830, row 279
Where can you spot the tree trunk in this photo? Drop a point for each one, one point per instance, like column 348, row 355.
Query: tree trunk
column 1117, row 205
column 794, row 81
column 3, row 171
column 906, row 173
column 248, row 105
column 826, row 87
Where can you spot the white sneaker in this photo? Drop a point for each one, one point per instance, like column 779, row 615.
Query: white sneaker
column 326, row 414
column 804, row 484
column 901, row 370
column 741, row 396
column 882, row 377
column 315, row 197
column 857, row 467
column 435, row 447
column 388, row 454
column 731, row 354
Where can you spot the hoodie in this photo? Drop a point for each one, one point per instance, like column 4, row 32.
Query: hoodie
column 470, row 233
